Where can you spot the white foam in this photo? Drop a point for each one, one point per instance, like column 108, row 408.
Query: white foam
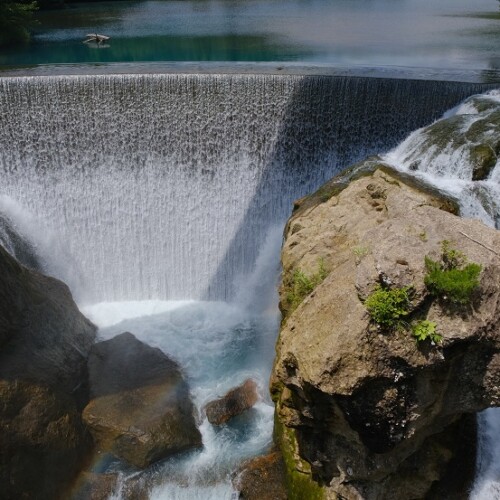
column 218, row 346
column 47, row 244
column 106, row 314
column 221, row 491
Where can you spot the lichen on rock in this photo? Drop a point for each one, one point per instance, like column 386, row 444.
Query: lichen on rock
column 374, row 414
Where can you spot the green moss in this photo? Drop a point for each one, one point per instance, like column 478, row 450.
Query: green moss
column 445, row 132
column 483, row 160
column 301, row 285
column 389, row 307
column 360, row 251
column 452, row 279
column 299, row 485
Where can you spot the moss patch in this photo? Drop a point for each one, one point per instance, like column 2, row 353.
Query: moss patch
column 299, row 485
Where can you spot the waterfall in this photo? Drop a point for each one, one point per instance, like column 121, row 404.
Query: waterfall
column 164, row 186
column 160, row 200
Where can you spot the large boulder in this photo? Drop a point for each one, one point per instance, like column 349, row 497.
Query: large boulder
column 364, row 412
column 140, row 408
column 233, row 403
column 44, row 344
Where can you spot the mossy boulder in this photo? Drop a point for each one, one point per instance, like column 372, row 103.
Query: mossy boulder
column 483, row 160
column 464, row 145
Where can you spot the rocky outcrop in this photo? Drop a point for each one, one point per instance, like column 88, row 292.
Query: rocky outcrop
column 234, row 402
column 368, row 413
column 44, row 344
column 140, row 408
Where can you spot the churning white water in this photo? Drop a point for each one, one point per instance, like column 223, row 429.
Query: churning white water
column 219, row 345
column 160, row 200
column 448, row 166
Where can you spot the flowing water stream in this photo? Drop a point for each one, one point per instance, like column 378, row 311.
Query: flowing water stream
column 160, row 200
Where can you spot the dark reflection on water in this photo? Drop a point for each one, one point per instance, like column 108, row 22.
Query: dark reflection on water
column 457, row 34
column 157, row 48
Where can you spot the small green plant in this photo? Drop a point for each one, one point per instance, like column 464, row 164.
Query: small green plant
column 423, row 330
column 423, row 236
column 360, row 251
column 452, row 258
column 453, row 279
column 302, row 285
column 389, row 307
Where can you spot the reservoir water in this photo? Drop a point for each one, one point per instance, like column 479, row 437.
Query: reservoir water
column 449, row 34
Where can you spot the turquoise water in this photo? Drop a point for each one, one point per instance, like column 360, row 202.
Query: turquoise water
column 457, row 34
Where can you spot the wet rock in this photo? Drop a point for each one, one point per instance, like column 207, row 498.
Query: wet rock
column 262, row 478
column 19, row 247
column 365, row 413
column 233, row 403
column 140, row 408
column 464, row 145
column 43, row 335
column 44, row 344
column 95, row 486
column 483, row 160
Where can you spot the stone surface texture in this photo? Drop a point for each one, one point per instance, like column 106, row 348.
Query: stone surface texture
column 233, row 403
column 44, row 344
column 140, row 408
column 262, row 478
column 369, row 414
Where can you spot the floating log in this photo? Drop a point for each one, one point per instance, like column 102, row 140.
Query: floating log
column 96, row 38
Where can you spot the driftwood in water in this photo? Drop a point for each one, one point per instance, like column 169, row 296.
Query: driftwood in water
column 96, row 38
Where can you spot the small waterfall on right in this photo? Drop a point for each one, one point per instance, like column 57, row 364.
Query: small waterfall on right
column 459, row 154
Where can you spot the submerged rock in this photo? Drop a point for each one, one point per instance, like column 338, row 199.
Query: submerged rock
column 233, row 403
column 370, row 414
column 140, row 408
column 44, row 344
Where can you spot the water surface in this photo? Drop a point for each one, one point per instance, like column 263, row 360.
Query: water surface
column 449, row 34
